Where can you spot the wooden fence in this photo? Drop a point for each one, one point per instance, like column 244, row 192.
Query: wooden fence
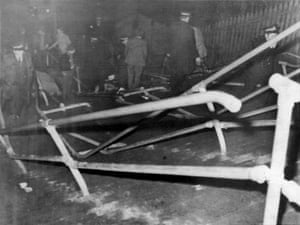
column 228, row 39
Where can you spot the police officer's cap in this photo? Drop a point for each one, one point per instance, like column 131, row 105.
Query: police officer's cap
column 271, row 29
column 185, row 13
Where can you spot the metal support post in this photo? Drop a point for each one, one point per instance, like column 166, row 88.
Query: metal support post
column 288, row 93
column 67, row 159
column 261, row 90
column 217, row 126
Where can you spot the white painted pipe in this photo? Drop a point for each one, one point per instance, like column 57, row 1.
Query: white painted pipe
column 258, row 111
column 143, row 90
column 68, row 107
column 228, row 101
column 288, row 93
column 239, row 173
column 261, row 90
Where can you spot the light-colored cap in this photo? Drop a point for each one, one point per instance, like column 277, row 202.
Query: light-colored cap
column 271, row 29
column 185, row 13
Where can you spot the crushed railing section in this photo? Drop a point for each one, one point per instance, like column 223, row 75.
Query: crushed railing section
column 286, row 89
column 274, row 175
column 202, row 87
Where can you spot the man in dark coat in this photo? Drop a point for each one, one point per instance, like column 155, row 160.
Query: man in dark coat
column 120, row 62
column 98, row 63
column 15, row 80
column 260, row 69
column 183, row 51
column 135, row 58
column 99, row 55
column 265, row 64
column 101, row 29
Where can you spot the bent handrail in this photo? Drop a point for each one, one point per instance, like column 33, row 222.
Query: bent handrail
column 230, row 102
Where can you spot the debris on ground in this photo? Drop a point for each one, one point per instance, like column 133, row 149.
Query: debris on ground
column 25, row 187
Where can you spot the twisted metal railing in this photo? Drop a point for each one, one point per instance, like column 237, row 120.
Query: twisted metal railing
column 288, row 94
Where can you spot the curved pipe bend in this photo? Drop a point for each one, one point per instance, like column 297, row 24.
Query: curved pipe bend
column 228, row 101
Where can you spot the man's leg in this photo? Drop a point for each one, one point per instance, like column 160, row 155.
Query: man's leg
column 18, row 99
column 123, row 76
column 176, row 83
column 67, row 85
column 131, row 74
column 138, row 75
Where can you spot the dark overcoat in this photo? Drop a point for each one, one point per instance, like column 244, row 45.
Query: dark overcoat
column 183, row 49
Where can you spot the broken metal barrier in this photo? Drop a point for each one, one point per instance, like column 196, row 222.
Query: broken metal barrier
column 202, row 87
column 288, row 94
column 51, row 126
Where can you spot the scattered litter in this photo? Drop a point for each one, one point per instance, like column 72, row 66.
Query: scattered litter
column 52, row 182
column 28, row 189
column 243, row 158
column 209, row 156
column 183, row 221
column 263, row 159
column 199, row 187
column 134, row 212
column 24, row 186
column 68, row 188
column 175, row 150
column 109, row 209
column 224, row 158
column 150, row 147
column 102, row 207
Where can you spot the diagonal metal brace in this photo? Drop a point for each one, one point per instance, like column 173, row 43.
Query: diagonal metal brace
column 67, row 159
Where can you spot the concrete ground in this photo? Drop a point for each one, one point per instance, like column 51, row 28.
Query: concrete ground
column 52, row 197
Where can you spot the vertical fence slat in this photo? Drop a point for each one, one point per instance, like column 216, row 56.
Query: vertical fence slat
column 233, row 35
column 238, row 33
column 297, row 35
column 220, row 40
column 287, row 22
column 226, row 38
column 243, row 34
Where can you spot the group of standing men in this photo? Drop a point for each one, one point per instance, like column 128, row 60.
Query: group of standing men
column 186, row 50
column 104, row 57
column 20, row 61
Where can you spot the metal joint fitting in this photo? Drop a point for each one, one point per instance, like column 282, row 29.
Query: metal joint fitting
column 71, row 163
